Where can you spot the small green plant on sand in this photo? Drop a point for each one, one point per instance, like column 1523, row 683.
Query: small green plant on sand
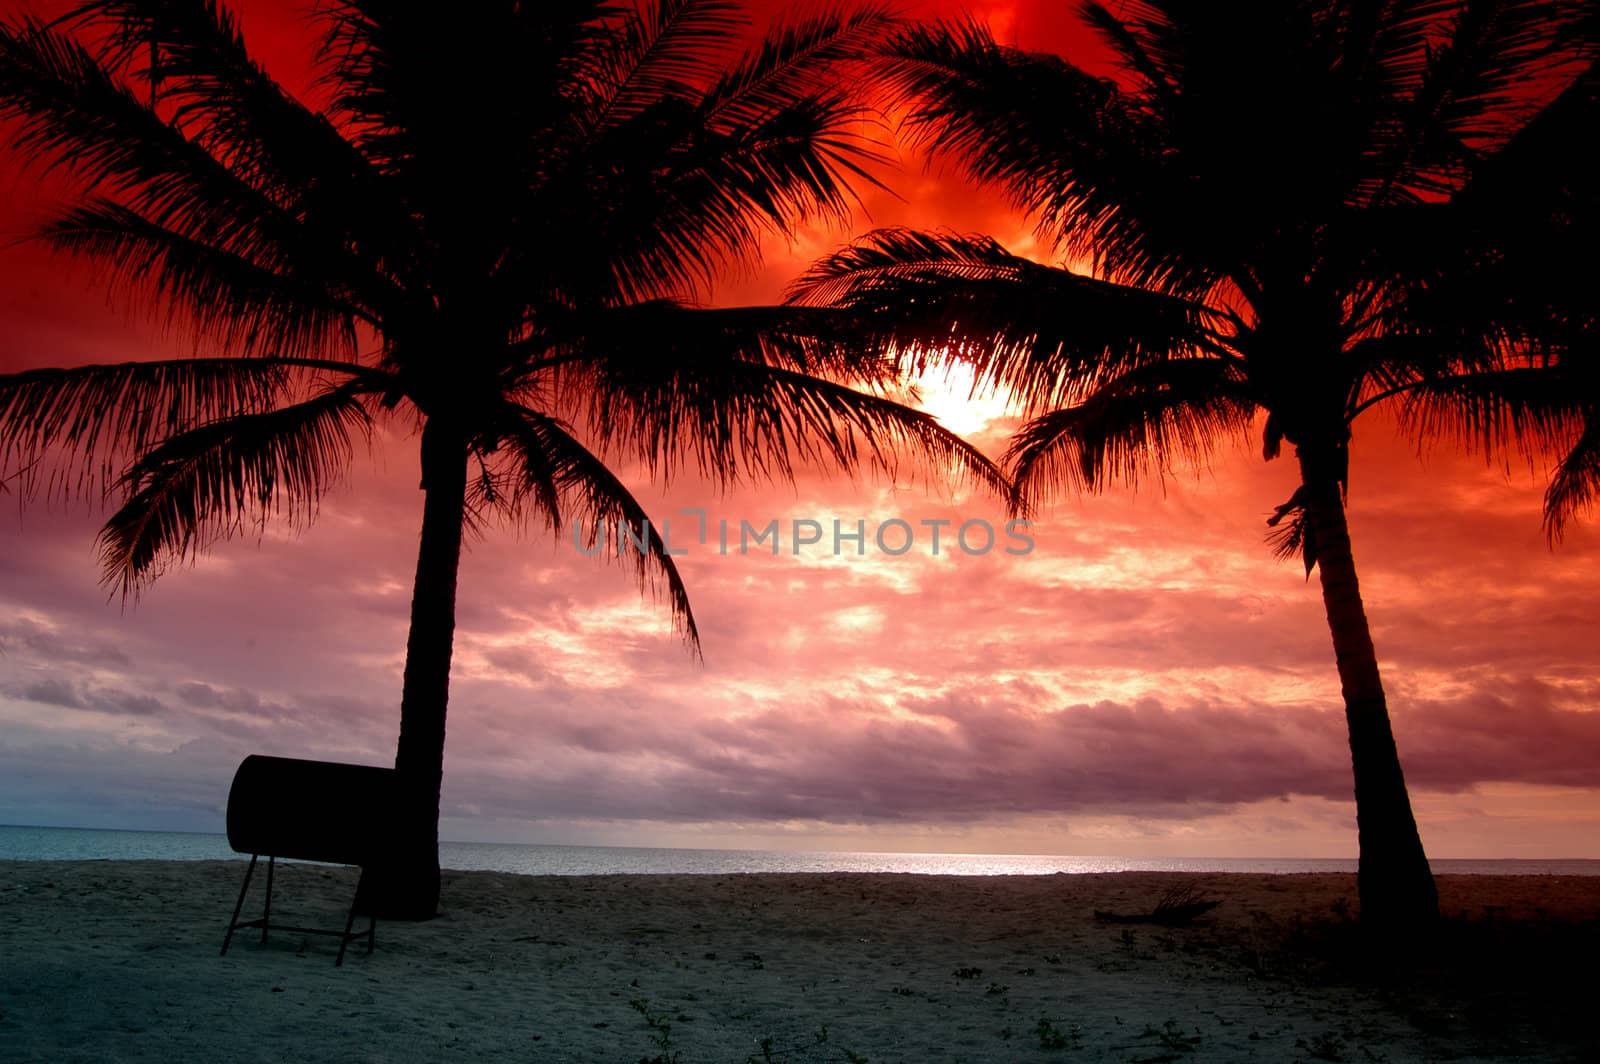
column 767, row 1055
column 1171, row 1036
column 661, row 1034
column 1326, row 1046
column 1053, row 1037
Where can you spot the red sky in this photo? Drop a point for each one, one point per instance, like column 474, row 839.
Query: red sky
column 1149, row 680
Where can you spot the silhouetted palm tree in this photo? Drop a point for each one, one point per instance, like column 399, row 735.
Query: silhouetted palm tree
column 1256, row 205
column 488, row 232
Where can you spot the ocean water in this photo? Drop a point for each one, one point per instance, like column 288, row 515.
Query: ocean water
column 87, row 844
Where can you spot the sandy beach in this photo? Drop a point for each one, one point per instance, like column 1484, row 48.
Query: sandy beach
column 119, row 961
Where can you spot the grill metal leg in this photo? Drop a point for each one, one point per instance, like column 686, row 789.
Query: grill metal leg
column 234, row 923
column 363, row 898
column 266, row 912
column 372, row 921
column 350, row 921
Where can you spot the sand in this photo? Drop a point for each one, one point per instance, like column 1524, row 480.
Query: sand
column 103, row 961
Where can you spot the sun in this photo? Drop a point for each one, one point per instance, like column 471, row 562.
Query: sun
column 949, row 391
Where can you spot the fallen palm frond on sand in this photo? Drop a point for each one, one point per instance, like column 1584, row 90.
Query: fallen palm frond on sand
column 1183, row 904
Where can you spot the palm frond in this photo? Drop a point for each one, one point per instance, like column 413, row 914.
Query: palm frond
column 811, row 340
column 286, row 309
column 1532, row 410
column 1522, row 409
column 1458, row 79
column 75, row 114
column 88, row 421
column 547, row 469
column 664, row 49
column 1071, row 149
column 732, row 416
column 789, row 167
column 206, row 484
column 789, row 124
column 223, row 98
column 1138, row 424
column 1477, row 82
column 801, row 57
column 1290, row 532
column 1529, row 212
column 709, row 198
column 1575, row 487
column 228, row 104
column 776, row 142
column 1046, row 334
column 1121, row 32
column 884, row 259
column 656, row 205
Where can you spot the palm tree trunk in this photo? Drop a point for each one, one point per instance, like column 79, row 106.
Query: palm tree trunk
column 407, row 888
column 1395, row 883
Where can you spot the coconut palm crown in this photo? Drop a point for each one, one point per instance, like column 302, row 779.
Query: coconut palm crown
column 490, row 223
column 1252, row 215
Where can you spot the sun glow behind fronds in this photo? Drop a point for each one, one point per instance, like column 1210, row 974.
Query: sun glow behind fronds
column 951, row 393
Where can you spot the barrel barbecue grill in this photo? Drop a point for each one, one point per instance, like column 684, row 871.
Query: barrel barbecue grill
column 310, row 811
